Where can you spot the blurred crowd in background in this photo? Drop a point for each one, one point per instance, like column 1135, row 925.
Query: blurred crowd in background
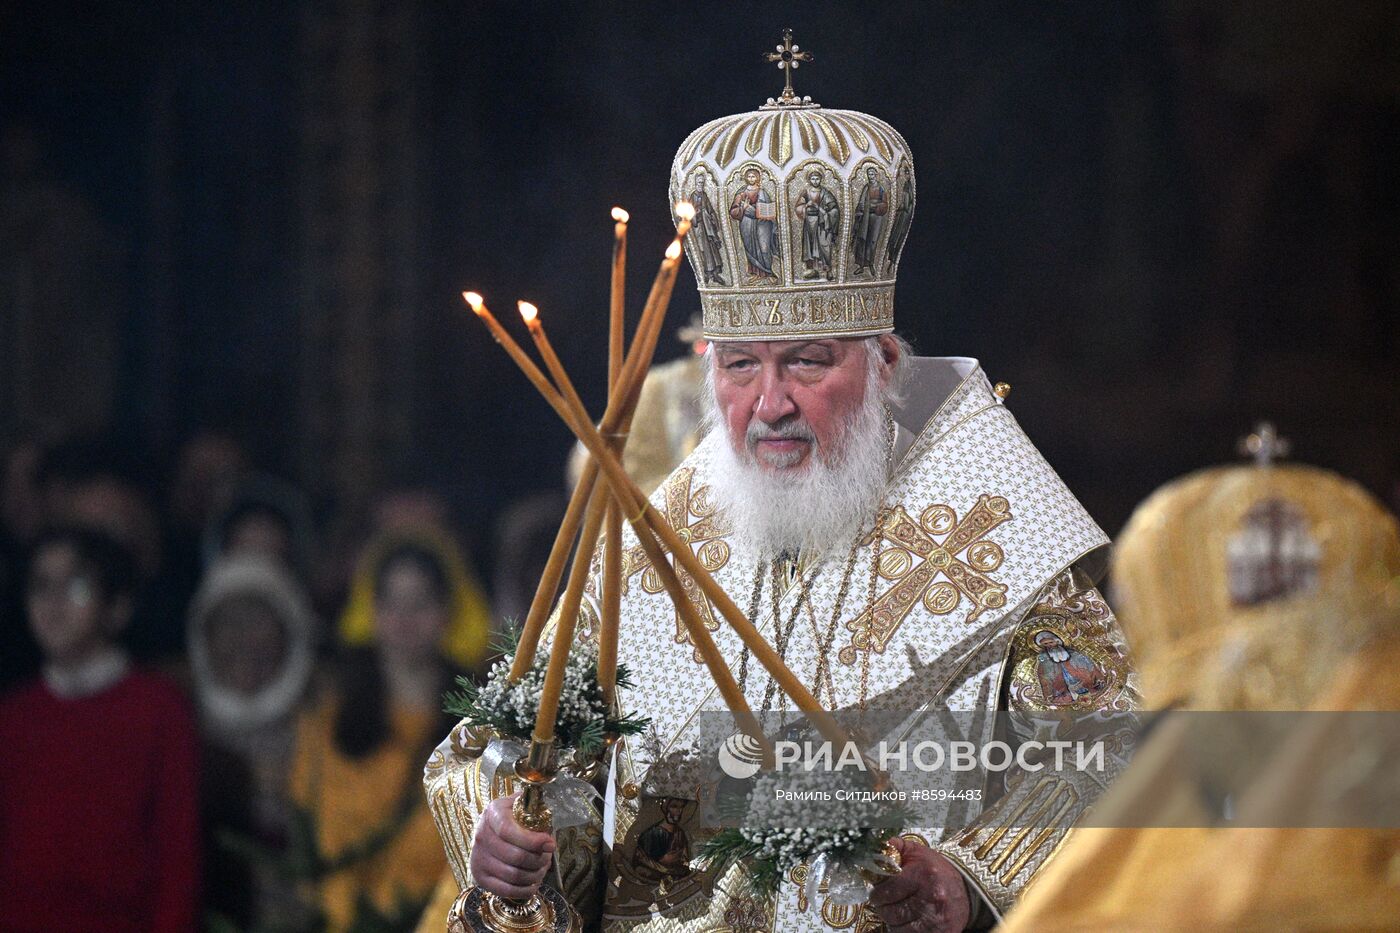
column 220, row 709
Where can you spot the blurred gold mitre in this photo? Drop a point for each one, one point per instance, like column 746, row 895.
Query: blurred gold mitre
column 1266, row 569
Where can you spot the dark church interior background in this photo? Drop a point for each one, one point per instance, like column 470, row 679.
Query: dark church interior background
column 1158, row 221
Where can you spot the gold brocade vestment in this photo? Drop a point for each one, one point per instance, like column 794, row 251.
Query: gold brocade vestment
column 984, row 551
column 1164, row 858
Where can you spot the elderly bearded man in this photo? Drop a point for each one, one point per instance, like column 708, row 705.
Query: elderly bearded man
column 885, row 523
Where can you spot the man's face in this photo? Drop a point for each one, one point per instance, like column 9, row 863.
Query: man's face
column 68, row 612
column 870, row 175
column 751, row 177
column 784, row 400
column 209, row 465
column 815, row 179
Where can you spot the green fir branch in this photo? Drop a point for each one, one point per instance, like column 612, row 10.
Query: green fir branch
column 463, row 702
column 507, row 639
column 764, row 877
column 509, row 709
column 727, row 848
column 731, row 847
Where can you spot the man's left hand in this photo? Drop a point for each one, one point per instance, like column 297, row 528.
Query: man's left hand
column 927, row 895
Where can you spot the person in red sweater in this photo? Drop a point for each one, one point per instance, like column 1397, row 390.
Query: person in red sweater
column 99, row 827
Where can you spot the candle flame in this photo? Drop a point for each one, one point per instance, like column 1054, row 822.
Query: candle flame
column 619, row 215
column 685, row 210
column 528, row 311
column 674, row 250
column 475, row 300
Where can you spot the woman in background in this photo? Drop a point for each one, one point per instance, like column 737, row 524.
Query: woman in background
column 414, row 616
column 252, row 644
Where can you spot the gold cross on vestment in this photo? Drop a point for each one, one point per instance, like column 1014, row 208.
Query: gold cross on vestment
column 706, row 533
column 915, row 561
column 788, row 56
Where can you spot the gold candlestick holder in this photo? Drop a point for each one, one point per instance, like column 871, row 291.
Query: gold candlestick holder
column 547, row 911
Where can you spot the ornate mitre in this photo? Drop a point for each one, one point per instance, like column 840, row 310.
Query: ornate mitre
column 1266, row 569
column 801, row 215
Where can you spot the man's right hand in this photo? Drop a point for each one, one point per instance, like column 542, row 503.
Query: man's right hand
column 508, row 859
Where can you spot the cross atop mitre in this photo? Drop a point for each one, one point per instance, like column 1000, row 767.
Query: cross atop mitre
column 788, row 56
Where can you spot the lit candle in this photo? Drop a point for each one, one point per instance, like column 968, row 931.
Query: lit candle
column 652, row 315
column 648, row 328
column 531, row 315
column 686, row 212
column 583, row 428
column 611, row 608
column 626, row 401
column 660, row 295
column 559, row 554
column 616, row 419
column 588, row 540
column 531, row 371
column 616, row 295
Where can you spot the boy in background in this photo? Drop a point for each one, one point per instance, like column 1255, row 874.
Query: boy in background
column 98, row 775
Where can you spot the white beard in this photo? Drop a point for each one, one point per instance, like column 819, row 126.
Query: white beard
column 821, row 507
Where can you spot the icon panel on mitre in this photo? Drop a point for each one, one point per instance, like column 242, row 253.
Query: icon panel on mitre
column 903, row 215
column 751, row 198
column 705, row 245
column 871, row 214
column 816, row 213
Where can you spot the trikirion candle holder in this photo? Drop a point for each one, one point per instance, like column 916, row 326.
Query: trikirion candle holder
column 547, row 911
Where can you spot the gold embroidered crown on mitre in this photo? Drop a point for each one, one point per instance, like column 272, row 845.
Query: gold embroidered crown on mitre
column 801, row 214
